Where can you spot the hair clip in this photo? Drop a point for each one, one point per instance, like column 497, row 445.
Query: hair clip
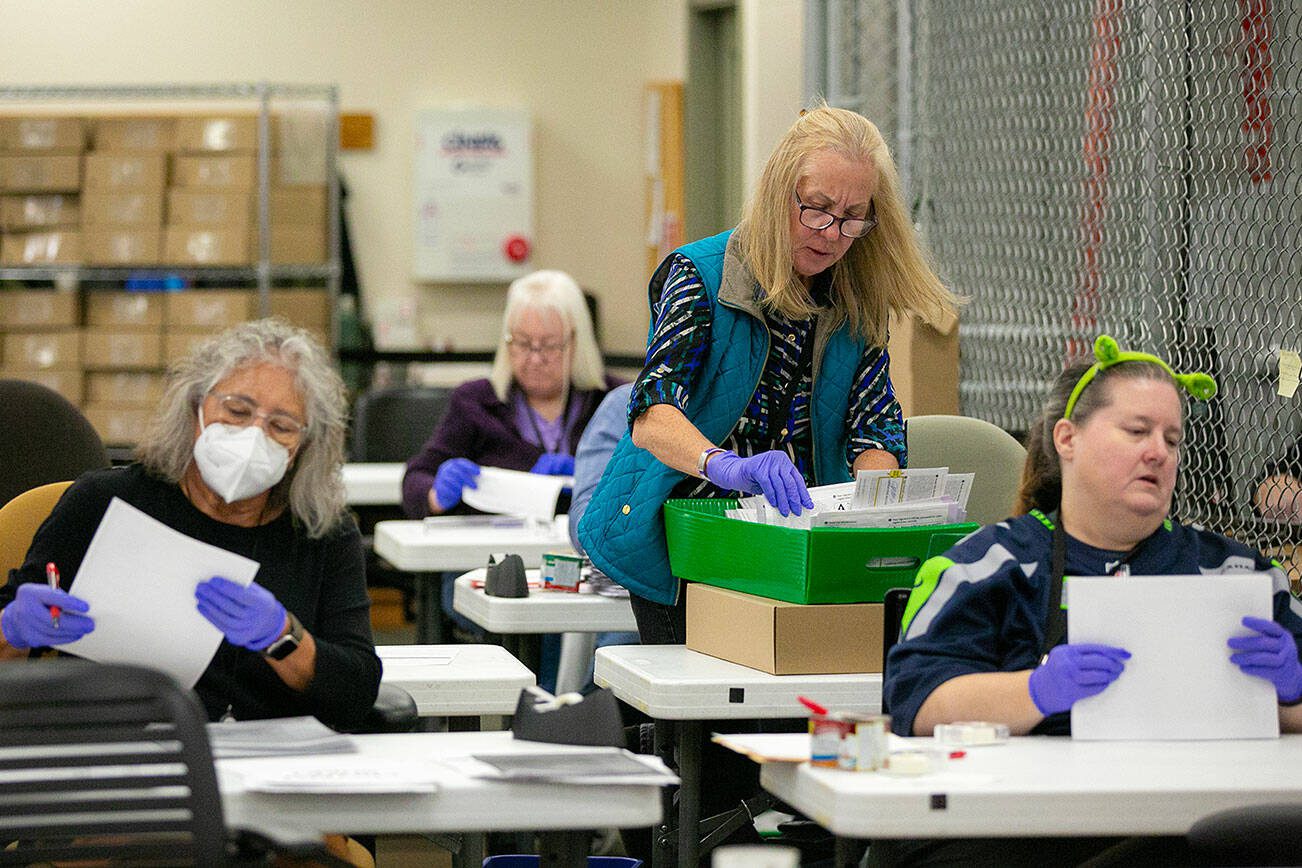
column 1106, row 351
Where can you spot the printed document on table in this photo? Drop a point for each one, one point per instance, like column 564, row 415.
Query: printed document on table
column 339, row 774
column 1179, row 682
column 139, row 577
column 512, row 492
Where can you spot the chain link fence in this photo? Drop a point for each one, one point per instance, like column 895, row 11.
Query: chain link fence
column 1100, row 166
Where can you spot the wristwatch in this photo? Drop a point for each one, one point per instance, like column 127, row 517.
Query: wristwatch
column 286, row 644
column 704, row 459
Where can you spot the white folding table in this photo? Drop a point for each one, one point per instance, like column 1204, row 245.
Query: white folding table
column 671, row 683
column 565, row 813
column 454, row 543
column 1048, row 786
column 456, row 680
column 373, row 483
column 578, row 616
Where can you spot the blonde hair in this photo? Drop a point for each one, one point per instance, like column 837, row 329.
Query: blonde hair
column 312, row 488
column 552, row 291
column 884, row 272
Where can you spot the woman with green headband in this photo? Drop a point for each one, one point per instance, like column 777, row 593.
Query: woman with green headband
column 978, row 641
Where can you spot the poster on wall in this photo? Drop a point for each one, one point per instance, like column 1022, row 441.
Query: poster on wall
column 474, row 195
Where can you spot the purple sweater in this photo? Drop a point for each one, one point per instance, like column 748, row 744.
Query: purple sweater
column 480, row 427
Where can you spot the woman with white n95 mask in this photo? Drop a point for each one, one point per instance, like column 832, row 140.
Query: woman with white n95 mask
column 244, row 454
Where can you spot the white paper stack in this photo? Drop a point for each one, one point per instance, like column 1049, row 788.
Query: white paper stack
column 877, row 498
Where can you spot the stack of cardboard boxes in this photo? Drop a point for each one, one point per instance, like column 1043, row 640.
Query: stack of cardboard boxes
column 40, row 177
column 161, row 190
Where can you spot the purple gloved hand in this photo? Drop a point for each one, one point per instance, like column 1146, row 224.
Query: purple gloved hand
column 454, row 475
column 769, row 473
column 28, row 623
column 1073, row 672
column 1270, row 654
column 554, row 464
column 250, row 617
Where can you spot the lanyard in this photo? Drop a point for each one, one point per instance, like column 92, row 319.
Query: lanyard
column 1055, row 625
column 537, row 430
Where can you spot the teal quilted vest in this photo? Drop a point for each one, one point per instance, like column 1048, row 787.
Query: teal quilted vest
column 623, row 530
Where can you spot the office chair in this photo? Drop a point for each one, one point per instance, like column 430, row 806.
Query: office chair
column 46, row 439
column 111, row 762
column 19, row 520
column 1268, row 834
column 967, row 445
column 392, row 423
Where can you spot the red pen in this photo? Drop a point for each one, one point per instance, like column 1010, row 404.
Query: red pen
column 52, row 579
column 811, row 705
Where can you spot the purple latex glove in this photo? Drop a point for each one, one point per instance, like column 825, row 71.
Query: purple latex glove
column 554, row 464
column 454, row 475
column 1073, row 672
column 769, row 473
column 1270, row 654
column 28, row 623
column 250, row 617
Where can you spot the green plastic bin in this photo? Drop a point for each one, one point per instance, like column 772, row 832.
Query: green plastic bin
column 822, row 565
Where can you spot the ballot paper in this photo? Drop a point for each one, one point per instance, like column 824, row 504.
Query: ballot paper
column 511, row 492
column 339, row 774
column 596, row 766
column 898, row 515
column 884, row 487
column 139, row 577
column 1179, row 682
column 279, row 736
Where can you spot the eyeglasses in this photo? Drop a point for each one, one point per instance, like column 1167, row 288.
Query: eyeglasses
column 242, row 411
column 851, row 227
column 546, row 350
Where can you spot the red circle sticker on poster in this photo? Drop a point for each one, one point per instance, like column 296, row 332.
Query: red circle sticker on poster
column 516, row 248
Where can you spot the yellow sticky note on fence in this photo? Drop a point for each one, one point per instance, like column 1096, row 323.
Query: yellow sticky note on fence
column 1290, row 365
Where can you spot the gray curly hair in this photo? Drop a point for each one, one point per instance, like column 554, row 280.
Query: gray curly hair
column 313, row 487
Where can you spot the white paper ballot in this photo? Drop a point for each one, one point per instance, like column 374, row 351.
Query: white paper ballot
column 1179, row 682
column 512, row 492
column 883, row 487
column 139, row 577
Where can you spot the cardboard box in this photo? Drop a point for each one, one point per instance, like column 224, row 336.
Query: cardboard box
column 39, row 211
column 118, row 424
column 178, row 344
column 232, row 172
column 137, row 389
column 106, row 308
column 784, row 638
column 298, row 204
column 924, row 366
column 230, row 209
column 309, row 308
column 228, row 133
column 188, row 245
column 137, row 208
column 211, row 309
column 150, row 134
column 42, row 134
column 298, row 244
column 67, row 383
column 111, row 246
column 39, row 310
column 121, row 349
column 112, row 171
column 43, row 351
column 62, row 247
column 48, row 173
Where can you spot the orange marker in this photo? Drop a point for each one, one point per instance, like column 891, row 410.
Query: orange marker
column 52, row 579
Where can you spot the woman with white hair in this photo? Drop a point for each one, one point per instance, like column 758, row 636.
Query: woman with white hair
column 244, row 454
column 547, row 381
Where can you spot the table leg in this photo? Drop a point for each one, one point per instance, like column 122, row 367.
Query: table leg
column 564, row 849
column 429, row 629
column 689, row 794
column 576, row 656
column 662, row 844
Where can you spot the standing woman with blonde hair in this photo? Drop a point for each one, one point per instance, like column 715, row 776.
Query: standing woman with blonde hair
column 766, row 368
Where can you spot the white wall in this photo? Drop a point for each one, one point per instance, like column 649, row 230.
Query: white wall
column 772, row 33
column 577, row 65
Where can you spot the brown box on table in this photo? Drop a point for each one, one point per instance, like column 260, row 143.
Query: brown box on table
column 784, row 638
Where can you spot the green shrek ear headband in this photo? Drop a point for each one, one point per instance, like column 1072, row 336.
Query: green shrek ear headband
column 1197, row 384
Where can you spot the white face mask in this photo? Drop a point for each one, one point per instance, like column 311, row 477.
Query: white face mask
column 236, row 462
